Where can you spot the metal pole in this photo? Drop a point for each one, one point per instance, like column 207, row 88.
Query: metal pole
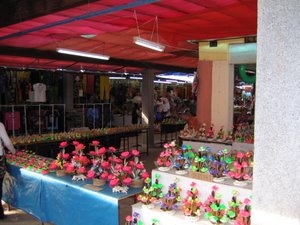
column 25, row 120
column 102, row 123
column 40, row 131
column 94, row 118
column 13, row 119
column 83, row 118
column 53, row 118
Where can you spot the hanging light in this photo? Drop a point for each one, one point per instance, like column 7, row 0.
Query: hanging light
column 148, row 44
column 83, row 54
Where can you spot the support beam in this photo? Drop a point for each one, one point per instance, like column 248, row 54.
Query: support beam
column 45, row 54
column 81, row 17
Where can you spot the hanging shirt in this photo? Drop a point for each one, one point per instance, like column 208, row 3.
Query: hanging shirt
column 39, row 92
column 12, row 120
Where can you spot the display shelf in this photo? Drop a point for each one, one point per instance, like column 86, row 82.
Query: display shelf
column 225, row 188
column 146, row 216
column 216, row 146
column 166, row 178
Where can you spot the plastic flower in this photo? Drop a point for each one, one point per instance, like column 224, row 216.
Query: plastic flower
column 90, row 174
column 113, row 183
column 135, row 152
column 128, row 218
column 127, row 181
column 95, row 143
column 125, row 155
column 63, row 144
column 112, row 149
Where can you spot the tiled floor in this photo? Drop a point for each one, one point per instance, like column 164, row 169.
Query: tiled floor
column 18, row 217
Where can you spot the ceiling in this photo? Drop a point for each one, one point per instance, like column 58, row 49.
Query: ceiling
column 31, row 30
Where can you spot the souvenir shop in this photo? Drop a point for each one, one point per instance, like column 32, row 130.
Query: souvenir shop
column 105, row 133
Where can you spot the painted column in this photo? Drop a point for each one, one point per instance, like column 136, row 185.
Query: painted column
column 222, row 95
column 204, row 73
column 216, row 81
column 147, row 103
column 276, row 198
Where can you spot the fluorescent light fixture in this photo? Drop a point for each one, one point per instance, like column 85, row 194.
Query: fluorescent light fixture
column 162, row 82
column 117, row 78
column 186, row 78
column 83, row 54
column 136, row 78
column 148, row 44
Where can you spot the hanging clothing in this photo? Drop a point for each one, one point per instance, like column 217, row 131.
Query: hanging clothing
column 39, row 92
column 104, row 88
column 12, row 120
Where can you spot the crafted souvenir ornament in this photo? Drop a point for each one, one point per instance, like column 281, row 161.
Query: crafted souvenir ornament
column 241, row 171
column 192, row 204
column 170, row 199
column 215, row 210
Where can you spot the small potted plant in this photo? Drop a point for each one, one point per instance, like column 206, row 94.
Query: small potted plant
column 78, row 162
column 157, row 188
column 234, row 206
column 97, row 158
column 170, row 199
column 61, row 160
column 134, row 219
column 210, row 133
column 244, row 216
column 220, row 134
column 139, row 172
column 119, row 179
column 164, row 160
column 192, row 204
column 215, row 211
column 202, row 132
column 149, row 195
column 181, row 161
column 199, row 168
column 220, row 164
column 242, row 169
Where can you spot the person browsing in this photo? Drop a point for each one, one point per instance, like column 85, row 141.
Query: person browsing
column 5, row 142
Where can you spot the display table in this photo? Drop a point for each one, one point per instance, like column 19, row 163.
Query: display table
column 118, row 139
column 61, row 201
column 184, row 181
column 216, row 145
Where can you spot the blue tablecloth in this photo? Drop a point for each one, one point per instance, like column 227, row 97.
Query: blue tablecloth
column 61, row 201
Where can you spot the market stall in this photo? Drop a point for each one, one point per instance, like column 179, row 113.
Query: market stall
column 62, row 201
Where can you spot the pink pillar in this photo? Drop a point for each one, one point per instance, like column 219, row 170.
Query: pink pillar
column 204, row 97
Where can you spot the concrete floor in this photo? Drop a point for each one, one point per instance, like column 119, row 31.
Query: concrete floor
column 19, row 217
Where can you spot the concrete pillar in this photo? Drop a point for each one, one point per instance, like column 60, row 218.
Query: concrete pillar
column 276, row 196
column 147, row 103
column 68, row 91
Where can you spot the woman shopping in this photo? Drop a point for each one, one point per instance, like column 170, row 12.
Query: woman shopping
column 5, row 142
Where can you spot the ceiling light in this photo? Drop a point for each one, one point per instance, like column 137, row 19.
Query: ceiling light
column 162, row 82
column 187, row 77
column 136, row 78
column 83, row 54
column 117, row 78
column 148, row 44
column 88, row 35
